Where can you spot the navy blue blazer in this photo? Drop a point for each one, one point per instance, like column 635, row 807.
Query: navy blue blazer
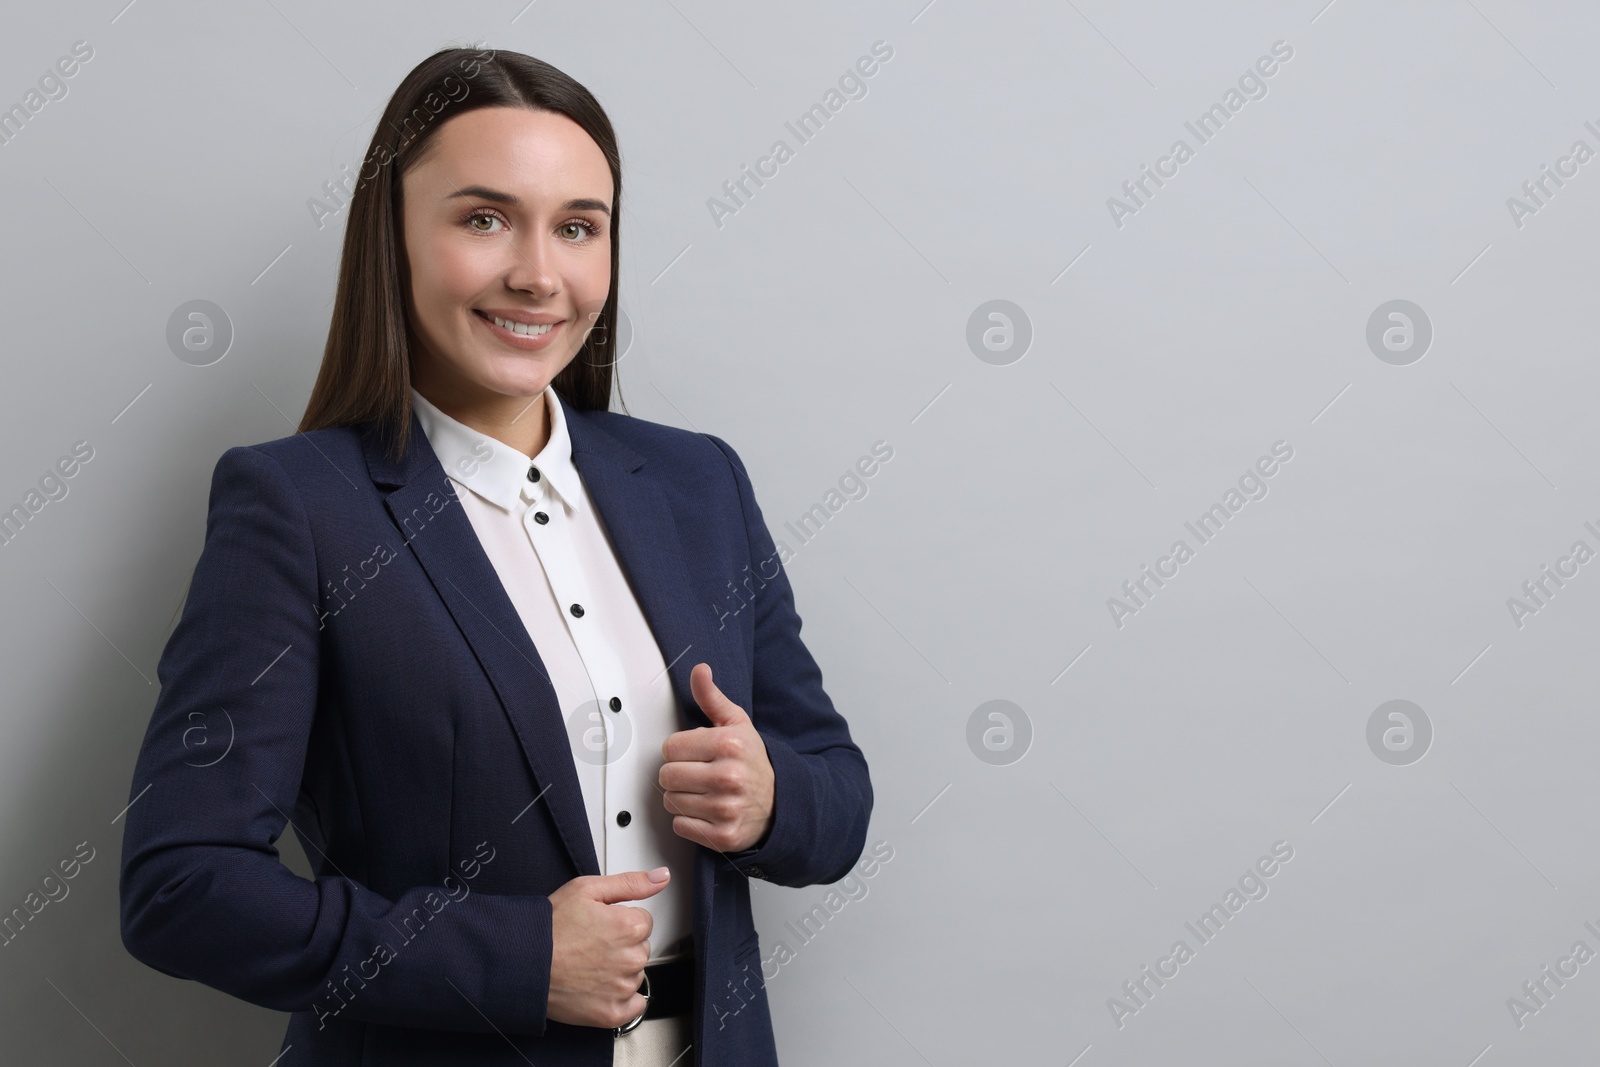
column 348, row 663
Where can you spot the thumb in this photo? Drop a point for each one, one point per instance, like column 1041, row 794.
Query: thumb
column 713, row 701
column 628, row 885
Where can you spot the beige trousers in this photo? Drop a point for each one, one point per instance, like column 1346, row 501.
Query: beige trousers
column 656, row 1043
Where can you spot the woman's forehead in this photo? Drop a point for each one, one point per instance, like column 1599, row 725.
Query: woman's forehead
column 537, row 157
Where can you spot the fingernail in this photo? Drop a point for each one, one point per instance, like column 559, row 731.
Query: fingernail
column 658, row 875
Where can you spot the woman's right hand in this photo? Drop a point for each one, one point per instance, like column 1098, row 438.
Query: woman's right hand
column 599, row 950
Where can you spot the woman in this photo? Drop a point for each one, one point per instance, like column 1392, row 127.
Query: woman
column 523, row 674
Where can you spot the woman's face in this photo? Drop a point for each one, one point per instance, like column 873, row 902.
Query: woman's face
column 508, row 217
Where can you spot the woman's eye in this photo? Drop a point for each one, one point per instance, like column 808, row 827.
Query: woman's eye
column 575, row 230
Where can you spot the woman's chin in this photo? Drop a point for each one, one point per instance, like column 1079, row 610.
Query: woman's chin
column 520, row 380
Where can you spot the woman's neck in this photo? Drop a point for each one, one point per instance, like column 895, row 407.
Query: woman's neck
column 520, row 422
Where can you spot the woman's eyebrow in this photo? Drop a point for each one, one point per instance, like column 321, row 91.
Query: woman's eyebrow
column 480, row 192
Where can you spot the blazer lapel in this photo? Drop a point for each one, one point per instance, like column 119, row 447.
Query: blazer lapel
column 448, row 548
column 644, row 535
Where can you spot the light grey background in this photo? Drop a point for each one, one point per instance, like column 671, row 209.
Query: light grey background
column 831, row 312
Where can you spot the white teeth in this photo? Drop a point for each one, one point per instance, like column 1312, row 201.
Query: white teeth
column 521, row 327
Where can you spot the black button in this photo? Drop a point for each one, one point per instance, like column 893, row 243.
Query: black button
column 755, row 872
column 616, row 703
column 577, row 611
column 533, row 474
column 623, row 818
column 540, row 517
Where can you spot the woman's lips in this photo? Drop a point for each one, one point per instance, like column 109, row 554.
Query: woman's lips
column 526, row 342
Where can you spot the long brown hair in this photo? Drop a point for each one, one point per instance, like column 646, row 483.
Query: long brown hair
column 366, row 363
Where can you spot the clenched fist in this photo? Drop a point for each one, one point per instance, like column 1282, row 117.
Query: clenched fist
column 599, row 949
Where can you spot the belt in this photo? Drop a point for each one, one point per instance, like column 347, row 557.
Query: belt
column 669, row 989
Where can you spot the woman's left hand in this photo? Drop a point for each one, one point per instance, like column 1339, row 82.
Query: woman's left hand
column 718, row 779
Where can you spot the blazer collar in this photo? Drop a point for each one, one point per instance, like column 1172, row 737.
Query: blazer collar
column 638, row 518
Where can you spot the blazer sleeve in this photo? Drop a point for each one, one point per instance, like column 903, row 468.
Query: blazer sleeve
column 203, row 893
column 823, row 794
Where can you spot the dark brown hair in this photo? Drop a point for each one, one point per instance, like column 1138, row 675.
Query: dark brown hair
column 366, row 363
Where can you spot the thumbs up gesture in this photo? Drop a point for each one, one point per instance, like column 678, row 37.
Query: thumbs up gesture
column 718, row 781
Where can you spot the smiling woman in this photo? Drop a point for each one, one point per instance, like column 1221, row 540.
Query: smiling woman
column 495, row 274
column 543, row 561
column 507, row 205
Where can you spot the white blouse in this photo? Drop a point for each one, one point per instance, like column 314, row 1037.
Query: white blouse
column 548, row 544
